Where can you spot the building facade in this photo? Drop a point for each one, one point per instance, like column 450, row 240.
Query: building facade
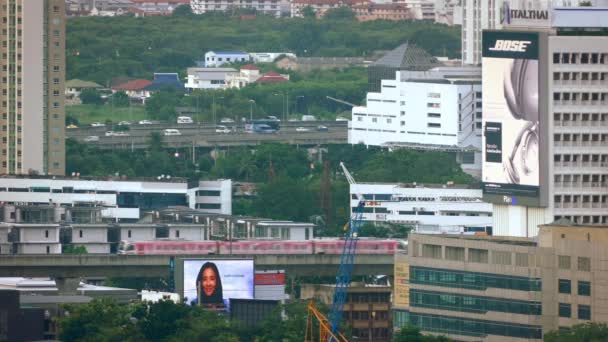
column 209, row 78
column 268, row 7
column 219, row 58
column 33, row 75
column 392, row 11
column 212, row 196
column 502, row 289
column 441, row 208
column 366, row 310
column 477, row 16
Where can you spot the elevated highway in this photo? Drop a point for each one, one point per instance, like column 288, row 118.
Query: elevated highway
column 91, row 265
column 205, row 136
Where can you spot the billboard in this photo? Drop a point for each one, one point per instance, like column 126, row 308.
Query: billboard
column 511, row 120
column 213, row 282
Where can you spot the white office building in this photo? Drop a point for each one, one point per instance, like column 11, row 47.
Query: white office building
column 209, row 78
column 219, row 58
column 435, row 109
column 267, row 7
column 442, row 207
column 121, row 200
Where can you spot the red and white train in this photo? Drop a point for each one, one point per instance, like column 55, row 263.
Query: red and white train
column 253, row 247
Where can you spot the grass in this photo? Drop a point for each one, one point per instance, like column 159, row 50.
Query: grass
column 87, row 114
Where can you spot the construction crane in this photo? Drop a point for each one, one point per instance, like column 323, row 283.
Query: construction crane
column 329, row 328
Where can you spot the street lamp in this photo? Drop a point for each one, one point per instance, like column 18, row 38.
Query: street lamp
column 251, row 103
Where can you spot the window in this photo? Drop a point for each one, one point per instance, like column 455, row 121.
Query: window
column 565, row 310
column 584, row 288
column 208, row 206
column 478, row 255
column 454, row 253
column 501, row 258
column 48, row 250
column 80, row 233
column 212, row 193
column 46, row 233
column 434, row 125
column 563, row 262
column 521, row 259
column 584, row 312
column 431, row 251
column 55, row 68
column 564, row 286
column 129, row 233
column 177, row 233
column 584, row 264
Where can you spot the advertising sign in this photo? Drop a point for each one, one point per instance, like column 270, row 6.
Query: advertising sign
column 511, row 120
column 522, row 14
column 212, row 283
column 402, row 283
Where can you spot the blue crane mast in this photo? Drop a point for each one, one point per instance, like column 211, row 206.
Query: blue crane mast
column 347, row 260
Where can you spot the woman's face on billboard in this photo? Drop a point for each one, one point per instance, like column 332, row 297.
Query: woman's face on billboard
column 209, row 281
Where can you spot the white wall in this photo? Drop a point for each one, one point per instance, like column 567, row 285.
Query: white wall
column 95, row 248
column 224, row 186
column 193, row 233
column 38, row 234
column 138, row 233
column 39, row 248
column 89, row 234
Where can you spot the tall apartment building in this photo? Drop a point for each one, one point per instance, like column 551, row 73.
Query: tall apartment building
column 473, row 288
column 33, row 77
column 552, row 94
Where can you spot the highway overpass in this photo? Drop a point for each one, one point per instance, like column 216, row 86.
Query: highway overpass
column 205, row 136
column 91, row 265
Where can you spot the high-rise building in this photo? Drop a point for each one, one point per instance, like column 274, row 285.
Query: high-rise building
column 33, row 77
column 544, row 118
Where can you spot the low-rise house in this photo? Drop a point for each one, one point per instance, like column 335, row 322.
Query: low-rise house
column 247, row 74
column 74, row 87
column 209, row 78
column 135, row 89
column 219, row 58
column 273, row 77
column 392, row 11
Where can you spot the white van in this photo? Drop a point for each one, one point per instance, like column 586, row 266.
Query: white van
column 171, row 131
column 184, row 120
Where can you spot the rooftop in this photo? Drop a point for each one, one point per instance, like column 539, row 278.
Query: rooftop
column 228, row 52
column 76, row 83
column 507, row 240
column 133, row 85
column 408, row 57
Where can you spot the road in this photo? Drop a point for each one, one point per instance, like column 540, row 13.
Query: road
column 205, row 136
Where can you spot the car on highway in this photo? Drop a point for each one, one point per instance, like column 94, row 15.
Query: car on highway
column 340, row 118
column 124, row 123
column 322, row 128
column 98, row 124
column 71, row 126
column 263, row 129
column 110, row 133
column 91, row 138
column 273, row 118
column 121, row 134
column 222, row 129
column 172, row 131
column 145, row 122
column 184, row 120
column 226, row 120
column 302, row 129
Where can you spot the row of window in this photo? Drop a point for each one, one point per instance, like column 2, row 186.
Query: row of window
column 584, row 137
column 474, row 255
column 584, row 311
column 580, row 58
column 584, row 219
column 564, row 262
column 465, row 326
column 576, row 96
column 583, row 76
column 565, row 286
column 475, row 304
column 585, row 158
column 471, row 280
column 583, row 117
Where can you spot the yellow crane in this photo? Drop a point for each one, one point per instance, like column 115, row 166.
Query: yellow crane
column 325, row 334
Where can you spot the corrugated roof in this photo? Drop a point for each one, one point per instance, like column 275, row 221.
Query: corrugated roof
column 408, row 57
column 76, row 83
column 133, row 85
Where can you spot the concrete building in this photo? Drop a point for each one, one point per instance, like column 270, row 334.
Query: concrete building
column 392, row 11
column 247, row 74
column 503, row 288
column 94, row 237
column 212, row 196
column 33, row 88
column 437, row 109
column 476, row 17
column 219, row 58
column 268, row 7
column 447, row 208
column 366, row 311
column 307, row 64
column 209, row 78
column 79, row 200
column 37, row 238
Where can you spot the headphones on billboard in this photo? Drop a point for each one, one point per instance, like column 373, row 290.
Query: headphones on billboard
column 521, row 95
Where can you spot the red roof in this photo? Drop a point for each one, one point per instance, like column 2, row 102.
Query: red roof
column 133, row 85
column 272, row 77
column 249, row 67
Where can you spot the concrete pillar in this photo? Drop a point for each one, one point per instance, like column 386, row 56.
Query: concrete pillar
column 67, row 286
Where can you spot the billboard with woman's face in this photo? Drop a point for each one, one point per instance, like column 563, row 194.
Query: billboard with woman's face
column 212, row 283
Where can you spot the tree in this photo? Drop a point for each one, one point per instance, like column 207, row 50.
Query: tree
column 412, row 334
column 182, row 11
column 590, row 332
column 309, row 12
column 340, row 13
column 91, row 96
column 120, row 99
column 71, row 249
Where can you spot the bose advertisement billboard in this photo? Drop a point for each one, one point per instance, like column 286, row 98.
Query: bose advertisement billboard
column 511, row 120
